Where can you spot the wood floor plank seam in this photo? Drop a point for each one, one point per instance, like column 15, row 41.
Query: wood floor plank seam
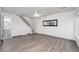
column 39, row 43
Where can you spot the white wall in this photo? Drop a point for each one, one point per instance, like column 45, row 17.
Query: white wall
column 77, row 26
column 76, row 22
column 18, row 27
column 64, row 28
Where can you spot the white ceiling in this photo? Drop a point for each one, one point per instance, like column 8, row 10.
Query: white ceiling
column 29, row 11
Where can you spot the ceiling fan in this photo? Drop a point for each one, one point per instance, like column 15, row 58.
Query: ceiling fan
column 36, row 14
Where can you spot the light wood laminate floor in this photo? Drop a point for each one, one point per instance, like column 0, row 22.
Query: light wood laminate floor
column 38, row 43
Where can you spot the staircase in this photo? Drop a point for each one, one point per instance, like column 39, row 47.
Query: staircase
column 23, row 19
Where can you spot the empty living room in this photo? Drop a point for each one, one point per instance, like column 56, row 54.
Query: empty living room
column 39, row 29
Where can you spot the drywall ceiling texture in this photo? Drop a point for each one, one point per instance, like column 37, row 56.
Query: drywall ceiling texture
column 29, row 11
column 65, row 28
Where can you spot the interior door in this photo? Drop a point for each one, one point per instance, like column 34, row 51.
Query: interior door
column 7, row 28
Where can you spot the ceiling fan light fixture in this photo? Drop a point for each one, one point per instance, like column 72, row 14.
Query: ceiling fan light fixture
column 36, row 14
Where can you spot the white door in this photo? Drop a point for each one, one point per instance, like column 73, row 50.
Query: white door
column 7, row 28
